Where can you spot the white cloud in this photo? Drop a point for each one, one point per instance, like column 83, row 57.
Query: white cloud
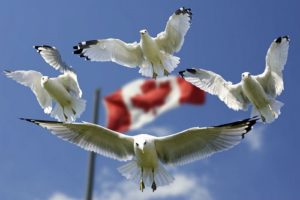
column 60, row 196
column 185, row 186
column 255, row 138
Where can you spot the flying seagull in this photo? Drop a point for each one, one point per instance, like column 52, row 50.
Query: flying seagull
column 147, row 153
column 258, row 90
column 154, row 55
column 63, row 89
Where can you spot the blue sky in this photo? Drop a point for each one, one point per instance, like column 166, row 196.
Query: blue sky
column 228, row 37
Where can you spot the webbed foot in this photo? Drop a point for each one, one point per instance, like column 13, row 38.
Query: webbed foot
column 142, row 185
column 153, row 186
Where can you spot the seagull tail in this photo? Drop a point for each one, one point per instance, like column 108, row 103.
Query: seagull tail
column 58, row 113
column 146, row 69
column 78, row 106
column 133, row 172
column 69, row 113
column 162, row 177
column 170, row 62
column 165, row 67
column 269, row 112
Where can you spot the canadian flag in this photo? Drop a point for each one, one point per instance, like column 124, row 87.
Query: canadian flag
column 140, row 101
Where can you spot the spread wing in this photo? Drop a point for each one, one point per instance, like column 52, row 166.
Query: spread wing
column 197, row 143
column 92, row 137
column 32, row 79
column 231, row 95
column 69, row 81
column 52, row 56
column 271, row 79
column 115, row 50
column 171, row 40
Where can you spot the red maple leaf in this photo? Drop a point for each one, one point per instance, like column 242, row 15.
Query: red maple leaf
column 153, row 95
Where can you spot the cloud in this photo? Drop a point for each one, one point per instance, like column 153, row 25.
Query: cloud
column 185, row 186
column 255, row 138
column 60, row 196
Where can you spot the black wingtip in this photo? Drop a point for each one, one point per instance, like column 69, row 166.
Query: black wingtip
column 78, row 51
column 249, row 122
column 279, row 39
column 36, row 47
column 191, row 70
column 286, row 37
column 7, row 71
column 181, row 73
column 26, row 119
column 183, row 11
column 38, row 121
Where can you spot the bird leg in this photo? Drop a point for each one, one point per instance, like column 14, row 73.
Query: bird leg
column 166, row 73
column 273, row 113
column 154, row 73
column 74, row 112
column 66, row 117
column 142, row 184
column 153, row 186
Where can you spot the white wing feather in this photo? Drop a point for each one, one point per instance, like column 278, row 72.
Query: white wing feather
column 52, row 56
column 69, row 81
column 92, row 137
column 115, row 50
column 171, row 40
column 231, row 95
column 32, row 79
column 197, row 143
column 271, row 79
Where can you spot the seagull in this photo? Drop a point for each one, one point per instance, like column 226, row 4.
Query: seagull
column 258, row 90
column 63, row 89
column 147, row 153
column 154, row 55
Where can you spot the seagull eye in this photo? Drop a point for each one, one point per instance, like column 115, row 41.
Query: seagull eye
column 137, row 144
column 145, row 143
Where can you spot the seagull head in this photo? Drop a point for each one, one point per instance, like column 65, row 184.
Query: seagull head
column 143, row 32
column 245, row 75
column 44, row 79
column 142, row 142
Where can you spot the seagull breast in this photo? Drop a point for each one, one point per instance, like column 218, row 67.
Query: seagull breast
column 145, row 152
column 150, row 49
column 57, row 91
column 255, row 92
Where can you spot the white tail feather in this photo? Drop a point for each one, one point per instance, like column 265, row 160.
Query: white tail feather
column 269, row 112
column 69, row 113
column 133, row 172
column 58, row 113
column 170, row 62
column 146, row 69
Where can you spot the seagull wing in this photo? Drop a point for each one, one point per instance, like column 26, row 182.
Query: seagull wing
column 32, row 79
column 92, row 137
column 271, row 78
column 52, row 56
column 115, row 50
column 231, row 95
column 171, row 40
column 197, row 143
column 69, row 81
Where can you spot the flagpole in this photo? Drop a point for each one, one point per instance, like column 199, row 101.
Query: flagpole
column 92, row 155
